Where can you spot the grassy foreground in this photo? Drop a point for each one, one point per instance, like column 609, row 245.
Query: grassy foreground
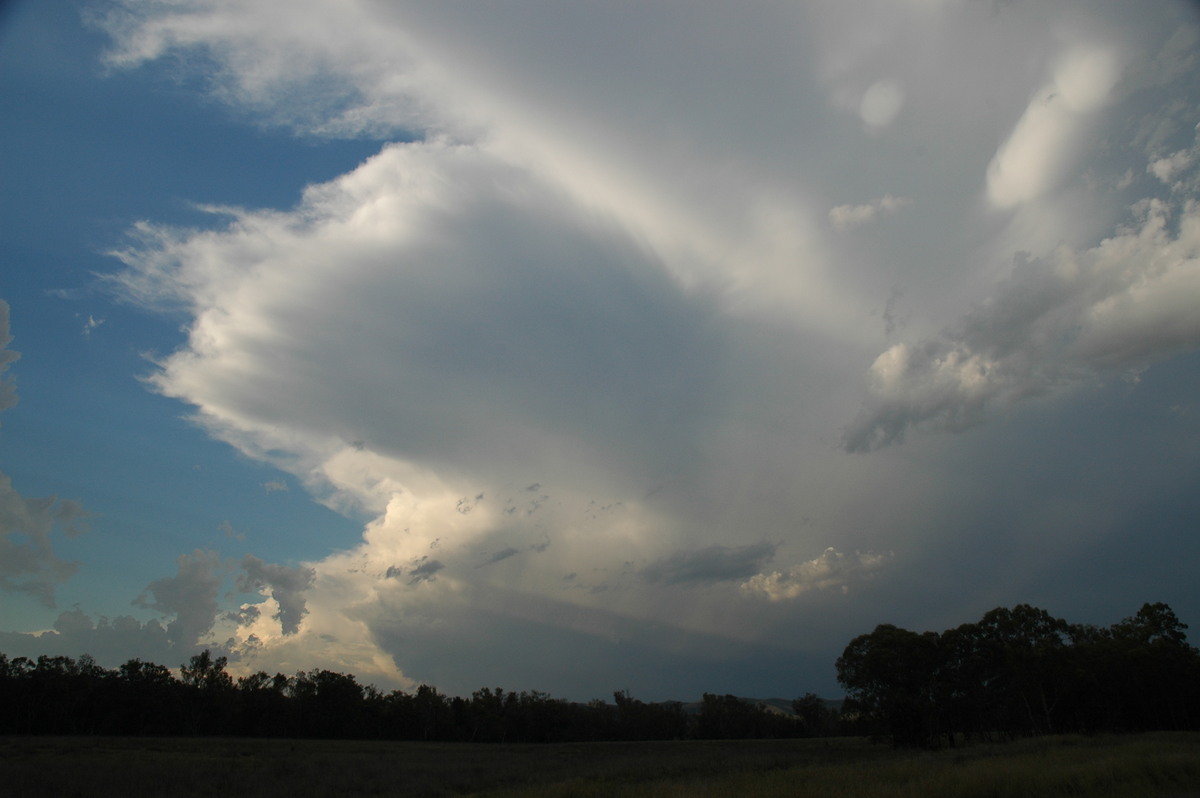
column 1150, row 765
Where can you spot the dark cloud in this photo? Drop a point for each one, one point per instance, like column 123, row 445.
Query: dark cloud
column 503, row 554
column 423, row 570
column 111, row 641
column 287, row 586
column 711, row 564
column 8, row 388
column 28, row 562
column 190, row 595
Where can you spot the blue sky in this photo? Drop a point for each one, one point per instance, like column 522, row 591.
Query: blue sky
column 583, row 347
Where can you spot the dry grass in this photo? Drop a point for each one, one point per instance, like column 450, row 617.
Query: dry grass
column 1157, row 766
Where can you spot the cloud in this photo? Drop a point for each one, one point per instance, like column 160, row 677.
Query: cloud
column 833, row 569
column 111, row 641
column 422, row 569
column 287, row 586
column 275, row 486
column 503, row 554
column 228, row 531
column 90, row 325
column 8, row 388
column 1072, row 316
column 577, row 299
column 28, row 562
column 848, row 217
column 190, row 595
column 710, row 564
column 881, row 103
column 1044, row 143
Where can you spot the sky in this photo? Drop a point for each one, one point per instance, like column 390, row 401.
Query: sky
column 591, row 346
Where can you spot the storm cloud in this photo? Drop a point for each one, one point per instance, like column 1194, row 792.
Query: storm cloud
column 713, row 334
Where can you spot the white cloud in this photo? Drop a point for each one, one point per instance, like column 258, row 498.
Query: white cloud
column 1044, row 144
column 848, row 217
column 832, row 569
column 1115, row 308
column 1166, row 168
column 881, row 103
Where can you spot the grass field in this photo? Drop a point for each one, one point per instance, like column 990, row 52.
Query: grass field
column 1153, row 765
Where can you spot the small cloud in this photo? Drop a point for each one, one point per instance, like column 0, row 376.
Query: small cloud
column 881, row 103
column 66, row 293
column 419, row 570
column 1165, row 169
column 848, row 217
column 832, row 569
column 8, row 389
column 890, row 322
column 227, row 529
column 275, row 485
column 503, row 554
column 91, row 324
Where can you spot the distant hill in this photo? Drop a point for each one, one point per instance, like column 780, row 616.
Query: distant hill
column 780, row 706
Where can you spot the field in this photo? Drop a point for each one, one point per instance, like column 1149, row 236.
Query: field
column 1159, row 765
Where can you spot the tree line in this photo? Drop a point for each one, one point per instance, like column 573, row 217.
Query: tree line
column 1015, row 672
column 1022, row 672
column 62, row 695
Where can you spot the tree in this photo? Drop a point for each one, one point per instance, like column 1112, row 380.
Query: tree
column 816, row 719
column 890, row 680
column 1159, row 670
column 202, row 672
column 209, row 694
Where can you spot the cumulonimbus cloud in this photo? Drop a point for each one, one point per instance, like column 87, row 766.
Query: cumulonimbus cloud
column 558, row 276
